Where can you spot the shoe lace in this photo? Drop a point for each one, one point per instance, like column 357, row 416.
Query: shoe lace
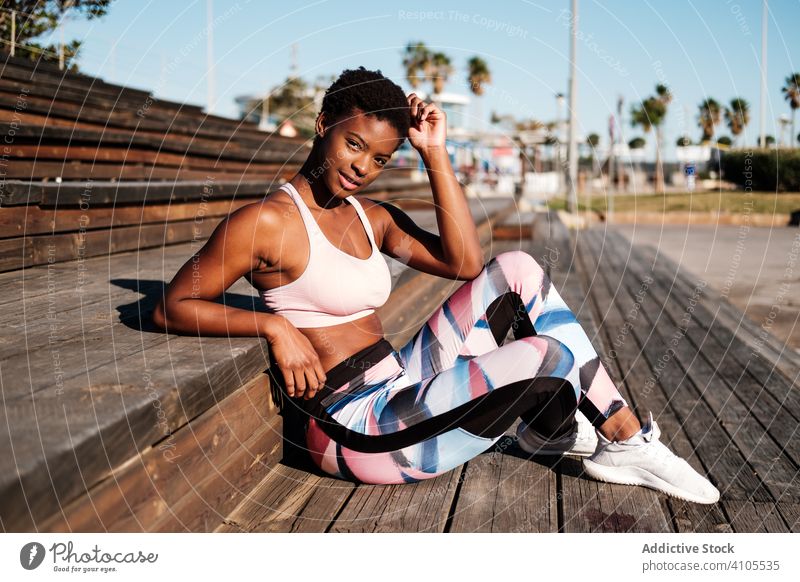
column 658, row 451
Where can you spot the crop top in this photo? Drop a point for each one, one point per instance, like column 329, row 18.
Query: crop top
column 335, row 286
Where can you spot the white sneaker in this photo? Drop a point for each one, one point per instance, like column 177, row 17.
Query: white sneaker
column 644, row 460
column 581, row 441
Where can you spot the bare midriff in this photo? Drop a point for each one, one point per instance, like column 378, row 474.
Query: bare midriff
column 336, row 343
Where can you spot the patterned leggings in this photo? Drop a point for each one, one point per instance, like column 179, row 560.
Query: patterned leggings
column 396, row 416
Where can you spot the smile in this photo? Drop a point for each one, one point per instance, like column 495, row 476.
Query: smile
column 347, row 183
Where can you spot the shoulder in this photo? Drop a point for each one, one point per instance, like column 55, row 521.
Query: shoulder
column 257, row 216
column 259, row 224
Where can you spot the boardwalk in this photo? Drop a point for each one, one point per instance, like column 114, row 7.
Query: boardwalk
column 731, row 414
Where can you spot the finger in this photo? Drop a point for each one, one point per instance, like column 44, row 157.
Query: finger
column 317, row 376
column 288, row 381
column 416, row 104
column 412, row 111
column 312, row 382
column 427, row 111
column 321, row 376
column 300, row 382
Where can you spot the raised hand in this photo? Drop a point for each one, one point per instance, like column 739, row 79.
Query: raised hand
column 428, row 124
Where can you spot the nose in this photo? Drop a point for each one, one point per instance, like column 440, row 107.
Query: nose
column 359, row 165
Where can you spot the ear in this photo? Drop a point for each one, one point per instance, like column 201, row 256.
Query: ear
column 320, row 125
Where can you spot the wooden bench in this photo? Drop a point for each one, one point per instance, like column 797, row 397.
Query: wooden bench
column 113, row 425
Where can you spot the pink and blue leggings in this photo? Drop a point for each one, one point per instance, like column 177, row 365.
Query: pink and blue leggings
column 448, row 394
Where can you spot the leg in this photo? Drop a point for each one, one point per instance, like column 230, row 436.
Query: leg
column 513, row 292
column 387, row 429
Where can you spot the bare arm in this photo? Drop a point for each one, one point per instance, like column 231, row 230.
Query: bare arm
column 456, row 251
column 187, row 305
column 461, row 245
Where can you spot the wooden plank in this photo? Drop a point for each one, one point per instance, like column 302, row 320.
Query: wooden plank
column 610, row 304
column 98, row 193
column 71, row 170
column 111, row 408
column 590, row 505
column 622, row 508
column 410, row 507
column 151, row 485
column 758, row 517
column 82, row 245
column 289, row 500
column 787, row 471
column 527, row 497
column 578, row 497
column 27, row 221
column 720, row 459
column 735, row 398
column 103, row 154
column 506, row 490
column 778, row 375
column 35, row 128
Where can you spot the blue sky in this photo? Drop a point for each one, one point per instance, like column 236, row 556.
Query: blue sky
column 699, row 48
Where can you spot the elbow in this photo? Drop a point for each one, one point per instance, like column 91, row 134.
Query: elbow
column 159, row 317
column 469, row 271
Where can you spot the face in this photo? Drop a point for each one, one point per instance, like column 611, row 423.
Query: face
column 356, row 147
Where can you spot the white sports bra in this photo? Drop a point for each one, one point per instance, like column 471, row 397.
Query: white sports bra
column 335, row 286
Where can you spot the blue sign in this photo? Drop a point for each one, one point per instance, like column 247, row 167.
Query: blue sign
column 689, row 169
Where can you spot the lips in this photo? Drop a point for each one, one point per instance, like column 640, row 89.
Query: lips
column 347, row 182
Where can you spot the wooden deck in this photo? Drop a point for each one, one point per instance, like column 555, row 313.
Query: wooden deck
column 727, row 412
column 94, row 456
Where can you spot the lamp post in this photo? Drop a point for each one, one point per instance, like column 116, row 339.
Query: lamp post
column 572, row 200
column 762, row 112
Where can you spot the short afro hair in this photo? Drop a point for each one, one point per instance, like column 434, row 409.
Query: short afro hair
column 369, row 92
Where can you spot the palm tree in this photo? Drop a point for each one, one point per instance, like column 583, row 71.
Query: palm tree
column 441, row 70
column 637, row 143
column 665, row 96
column 709, row 118
column 737, row 116
column 478, row 74
column 791, row 92
column 416, row 59
column 593, row 140
column 651, row 113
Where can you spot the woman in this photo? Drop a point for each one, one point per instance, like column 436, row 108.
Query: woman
column 383, row 415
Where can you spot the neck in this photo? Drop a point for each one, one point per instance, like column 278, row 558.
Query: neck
column 306, row 177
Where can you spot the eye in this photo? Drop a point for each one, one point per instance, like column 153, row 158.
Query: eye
column 381, row 161
column 353, row 144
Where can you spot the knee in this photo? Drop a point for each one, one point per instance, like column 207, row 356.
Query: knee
column 518, row 264
column 556, row 355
